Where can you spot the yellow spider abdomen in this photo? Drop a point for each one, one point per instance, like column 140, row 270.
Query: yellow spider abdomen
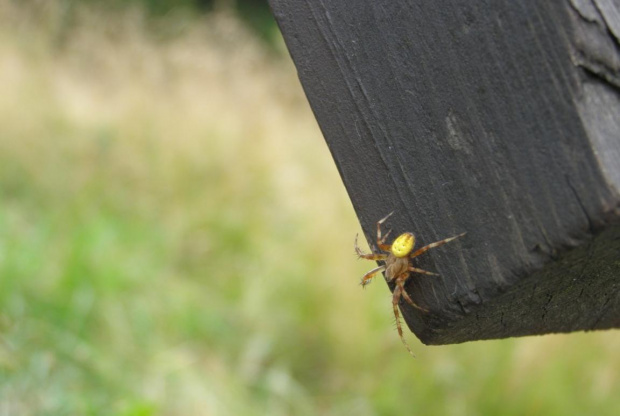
column 403, row 245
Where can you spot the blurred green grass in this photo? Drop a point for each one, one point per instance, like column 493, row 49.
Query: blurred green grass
column 175, row 240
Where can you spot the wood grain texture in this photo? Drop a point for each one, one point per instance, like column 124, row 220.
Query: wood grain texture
column 501, row 119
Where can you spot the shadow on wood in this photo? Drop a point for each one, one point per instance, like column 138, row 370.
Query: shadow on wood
column 501, row 119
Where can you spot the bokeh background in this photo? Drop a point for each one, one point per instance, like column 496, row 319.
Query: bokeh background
column 175, row 238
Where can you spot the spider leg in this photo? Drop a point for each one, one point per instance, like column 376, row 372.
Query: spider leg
column 367, row 278
column 370, row 256
column 416, row 270
column 395, row 299
column 381, row 241
column 375, row 257
column 433, row 245
column 401, row 283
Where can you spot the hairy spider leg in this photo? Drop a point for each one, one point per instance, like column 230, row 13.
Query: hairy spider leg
column 381, row 241
column 433, row 245
column 367, row 278
column 370, row 256
column 401, row 283
column 395, row 299
column 416, row 270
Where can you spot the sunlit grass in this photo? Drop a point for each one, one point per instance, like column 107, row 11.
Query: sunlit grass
column 175, row 239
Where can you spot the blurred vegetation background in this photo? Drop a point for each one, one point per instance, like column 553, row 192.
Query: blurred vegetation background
column 175, row 238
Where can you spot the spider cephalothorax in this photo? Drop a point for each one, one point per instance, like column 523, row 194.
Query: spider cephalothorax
column 397, row 267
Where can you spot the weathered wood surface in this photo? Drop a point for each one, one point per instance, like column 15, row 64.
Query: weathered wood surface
column 501, row 119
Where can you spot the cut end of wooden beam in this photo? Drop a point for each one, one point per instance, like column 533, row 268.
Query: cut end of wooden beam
column 559, row 298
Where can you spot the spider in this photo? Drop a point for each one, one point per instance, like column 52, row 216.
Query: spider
column 397, row 267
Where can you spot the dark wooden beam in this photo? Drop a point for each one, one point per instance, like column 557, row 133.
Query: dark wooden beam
column 501, row 119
